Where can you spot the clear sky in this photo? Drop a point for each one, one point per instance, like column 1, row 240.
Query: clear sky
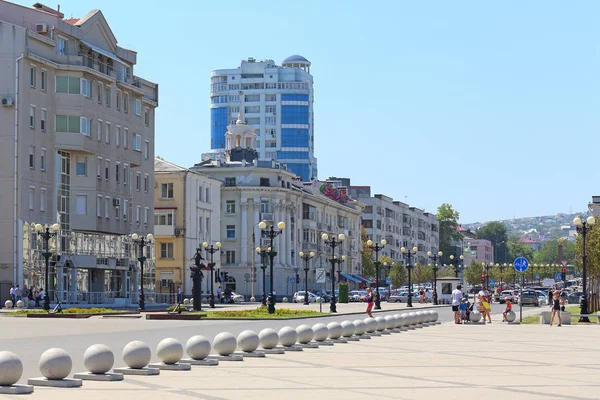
column 489, row 106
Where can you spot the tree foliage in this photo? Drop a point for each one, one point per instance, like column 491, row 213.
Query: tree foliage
column 422, row 273
column 398, row 274
column 447, row 218
column 473, row 273
column 549, row 252
column 368, row 268
column 496, row 233
column 516, row 248
column 592, row 249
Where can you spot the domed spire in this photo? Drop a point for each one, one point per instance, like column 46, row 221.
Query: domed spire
column 240, row 120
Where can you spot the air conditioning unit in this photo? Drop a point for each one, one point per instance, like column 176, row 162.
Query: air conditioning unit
column 179, row 232
column 116, row 202
column 41, row 28
column 7, row 101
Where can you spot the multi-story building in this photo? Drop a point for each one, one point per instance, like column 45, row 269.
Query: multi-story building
column 254, row 191
column 479, row 250
column 398, row 223
column 187, row 212
column 77, row 128
column 277, row 101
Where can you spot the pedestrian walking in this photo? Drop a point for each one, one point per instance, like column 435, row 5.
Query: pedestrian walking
column 179, row 299
column 556, row 303
column 456, row 300
column 12, row 294
column 18, row 293
column 421, row 295
column 369, row 300
column 40, row 297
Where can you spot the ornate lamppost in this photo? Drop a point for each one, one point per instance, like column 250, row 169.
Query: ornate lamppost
column 271, row 233
column 389, row 268
column 46, row 232
column 211, row 250
column 141, row 243
column 263, row 266
column 435, row 258
column 457, row 263
column 333, row 243
column 377, row 247
column 409, row 255
column 306, row 257
column 583, row 227
column 197, row 276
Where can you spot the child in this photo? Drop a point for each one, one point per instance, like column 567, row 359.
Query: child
column 508, row 308
column 463, row 309
column 469, row 309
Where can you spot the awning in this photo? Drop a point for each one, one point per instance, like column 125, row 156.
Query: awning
column 363, row 279
column 350, row 278
column 105, row 53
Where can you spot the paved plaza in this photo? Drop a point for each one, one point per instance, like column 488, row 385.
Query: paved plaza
column 438, row 362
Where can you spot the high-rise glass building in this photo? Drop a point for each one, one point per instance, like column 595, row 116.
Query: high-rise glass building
column 277, row 100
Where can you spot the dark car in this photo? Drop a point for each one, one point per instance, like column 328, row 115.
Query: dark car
column 529, row 297
column 574, row 298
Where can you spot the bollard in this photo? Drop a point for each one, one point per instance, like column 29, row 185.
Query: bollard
column 225, row 344
column 136, row 356
column 248, row 341
column 11, row 370
column 198, row 348
column 98, row 359
column 170, row 351
column 55, row 365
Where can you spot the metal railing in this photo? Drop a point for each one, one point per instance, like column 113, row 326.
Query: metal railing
column 160, row 298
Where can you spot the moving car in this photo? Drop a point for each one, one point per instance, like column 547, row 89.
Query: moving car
column 237, row 298
column 298, row 297
column 504, row 294
column 357, row 295
column 529, row 297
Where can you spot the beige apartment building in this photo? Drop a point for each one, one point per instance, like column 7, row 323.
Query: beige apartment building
column 77, row 148
column 187, row 207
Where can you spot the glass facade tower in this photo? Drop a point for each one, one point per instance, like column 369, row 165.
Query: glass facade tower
column 277, row 100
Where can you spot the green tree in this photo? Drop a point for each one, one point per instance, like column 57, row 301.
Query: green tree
column 496, row 233
column 516, row 248
column 398, row 274
column 592, row 251
column 448, row 220
column 473, row 273
column 368, row 268
column 548, row 254
column 384, row 268
column 422, row 273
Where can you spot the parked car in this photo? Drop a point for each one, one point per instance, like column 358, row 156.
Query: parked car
column 504, row 294
column 298, row 297
column 543, row 297
column 357, row 295
column 237, row 298
column 402, row 297
column 529, row 297
column 574, row 298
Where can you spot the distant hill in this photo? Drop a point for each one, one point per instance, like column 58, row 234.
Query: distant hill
column 544, row 228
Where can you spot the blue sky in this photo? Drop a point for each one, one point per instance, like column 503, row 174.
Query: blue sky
column 489, row 106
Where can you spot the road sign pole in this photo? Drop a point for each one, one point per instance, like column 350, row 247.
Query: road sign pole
column 521, row 298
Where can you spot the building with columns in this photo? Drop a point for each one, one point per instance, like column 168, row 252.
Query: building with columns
column 255, row 191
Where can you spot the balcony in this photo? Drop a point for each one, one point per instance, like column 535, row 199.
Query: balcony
column 72, row 141
column 164, row 230
column 309, row 223
column 266, row 217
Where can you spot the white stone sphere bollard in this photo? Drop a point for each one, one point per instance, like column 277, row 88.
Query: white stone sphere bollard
column 413, row 318
column 169, row 351
column 98, row 359
column 320, row 332
column 434, row 315
column 335, row 330
column 268, row 338
column 285, row 300
column 198, row 347
column 224, row 343
column 8, row 304
column 11, row 368
column 347, row 328
column 186, row 301
column 475, row 316
column 371, row 325
column 381, row 324
column 252, row 299
column 427, row 314
column 511, row 316
column 31, row 304
column 204, row 300
column 420, row 317
column 287, row 336
column 136, row 354
column 55, row 364
column 305, row 334
column 20, row 304
column 390, row 321
column 398, row 319
column 248, row 341
column 359, row 327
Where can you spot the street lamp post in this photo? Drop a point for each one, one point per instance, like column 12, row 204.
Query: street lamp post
column 142, row 242
column 271, row 233
column 306, row 257
column 46, row 232
column 456, row 263
column 339, row 262
column 333, row 243
column 197, row 276
column 263, row 266
column 211, row 250
column 435, row 258
column 377, row 247
column 583, row 227
column 409, row 255
column 389, row 267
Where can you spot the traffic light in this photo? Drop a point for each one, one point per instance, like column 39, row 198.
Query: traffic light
column 482, row 277
column 218, row 276
column 564, row 274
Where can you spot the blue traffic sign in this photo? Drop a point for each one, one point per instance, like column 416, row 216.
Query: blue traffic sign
column 521, row 264
column 492, row 282
column 388, row 281
column 558, row 276
column 292, row 279
column 537, row 276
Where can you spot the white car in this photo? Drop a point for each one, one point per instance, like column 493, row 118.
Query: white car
column 299, row 297
column 237, row 298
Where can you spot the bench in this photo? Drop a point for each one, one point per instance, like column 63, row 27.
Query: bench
column 545, row 317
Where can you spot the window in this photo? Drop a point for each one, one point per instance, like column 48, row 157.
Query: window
column 117, row 166
column 166, row 190
column 43, row 80
column 32, row 157
column 81, row 166
column 32, row 76
column 137, row 107
column 99, row 206
column 230, row 231
column 125, row 174
column 125, row 208
column 146, row 116
column 43, row 199
column 118, row 100
column 264, row 182
column 61, row 46
column 99, row 130
column 99, row 168
column 230, row 207
column 146, row 150
column 207, row 197
column 117, row 136
column 81, row 204
column 86, row 88
column 145, row 216
column 146, row 179
column 166, row 250
column 118, row 210
column 137, row 142
column 43, row 159
column 106, row 207
column 107, row 95
column 125, row 135
column 230, row 257
column 99, row 93
column 164, row 218
column 107, row 132
column 86, row 126
column 138, row 178
column 32, row 117
column 67, row 124
column 68, row 84
column 229, row 181
column 106, row 169
column 125, row 102
column 43, row 120
column 137, row 215
column 31, row 199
